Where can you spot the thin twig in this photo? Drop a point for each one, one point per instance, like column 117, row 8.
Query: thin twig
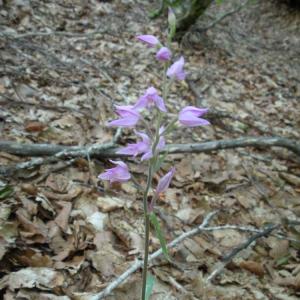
column 222, row 17
column 228, row 257
column 249, row 229
column 139, row 264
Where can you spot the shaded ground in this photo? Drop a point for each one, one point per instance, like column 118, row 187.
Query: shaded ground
column 63, row 234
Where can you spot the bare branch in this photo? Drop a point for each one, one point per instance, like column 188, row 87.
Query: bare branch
column 139, row 264
column 228, row 257
column 108, row 150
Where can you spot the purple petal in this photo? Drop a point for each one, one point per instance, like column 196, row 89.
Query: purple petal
column 193, row 121
column 144, row 137
column 189, row 116
column 118, row 174
column 130, row 149
column 147, row 155
column 151, row 92
column 195, row 110
column 126, row 111
column 141, row 103
column 119, row 163
column 164, row 54
column 125, row 122
column 159, row 101
column 150, row 40
column 176, row 69
column 164, row 182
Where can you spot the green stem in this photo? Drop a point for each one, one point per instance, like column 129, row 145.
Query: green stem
column 147, row 229
column 148, row 186
column 146, row 254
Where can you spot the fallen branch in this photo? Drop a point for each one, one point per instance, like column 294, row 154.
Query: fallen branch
column 258, row 233
column 108, row 150
column 139, row 264
column 65, row 152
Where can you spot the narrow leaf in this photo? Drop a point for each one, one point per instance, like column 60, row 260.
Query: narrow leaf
column 149, row 285
column 159, row 235
column 6, row 191
column 159, row 162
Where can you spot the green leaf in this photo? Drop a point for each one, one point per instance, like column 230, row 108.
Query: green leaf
column 6, row 191
column 283, row 260
column 159, row 234
column 159, row 162
column 149, row 285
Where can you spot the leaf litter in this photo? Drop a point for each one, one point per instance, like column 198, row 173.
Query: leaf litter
column 64, row 236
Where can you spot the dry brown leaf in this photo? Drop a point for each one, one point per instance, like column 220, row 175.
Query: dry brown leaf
column 33, row 232
column 108, row 204
column 105, row 260
column 32, row 295
column 72, row 193
column 29, row 188
column 253, row 267
column 63, row 216
column 57, row 183
column 35, row 126
column 280, row 249
column 188, row 215
column 41, row 278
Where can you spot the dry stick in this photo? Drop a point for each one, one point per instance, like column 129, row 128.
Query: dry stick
column 109, row 150
column 228, row 257
column 202, row 227
column 139, row 264
column 65, row 152
column 249, row 229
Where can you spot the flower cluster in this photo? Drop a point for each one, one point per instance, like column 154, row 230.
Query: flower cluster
column 150, row 143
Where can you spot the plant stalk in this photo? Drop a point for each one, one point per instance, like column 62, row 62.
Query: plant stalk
column 147, row 229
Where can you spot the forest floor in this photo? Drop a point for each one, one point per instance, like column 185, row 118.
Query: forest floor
column 66, row 235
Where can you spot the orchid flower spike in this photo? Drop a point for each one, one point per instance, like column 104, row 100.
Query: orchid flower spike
column 118, row 174
column 148, row 39
column 164, row 182
column 189, row 116
column 176, row 69
column 149, row 99
column 129, row 117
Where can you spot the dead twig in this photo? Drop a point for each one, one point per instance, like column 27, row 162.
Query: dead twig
column 108, row 150
column 222, row 17
column 228, row 257
column 139, row 264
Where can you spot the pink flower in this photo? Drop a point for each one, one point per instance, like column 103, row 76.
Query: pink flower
column 150, row 40
column 189, row 116
column 176, row 70
column 118, row 174
column 163, row 54
column 149, row 99
column 164, row 182
column 143, row 146
column 129, row 117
